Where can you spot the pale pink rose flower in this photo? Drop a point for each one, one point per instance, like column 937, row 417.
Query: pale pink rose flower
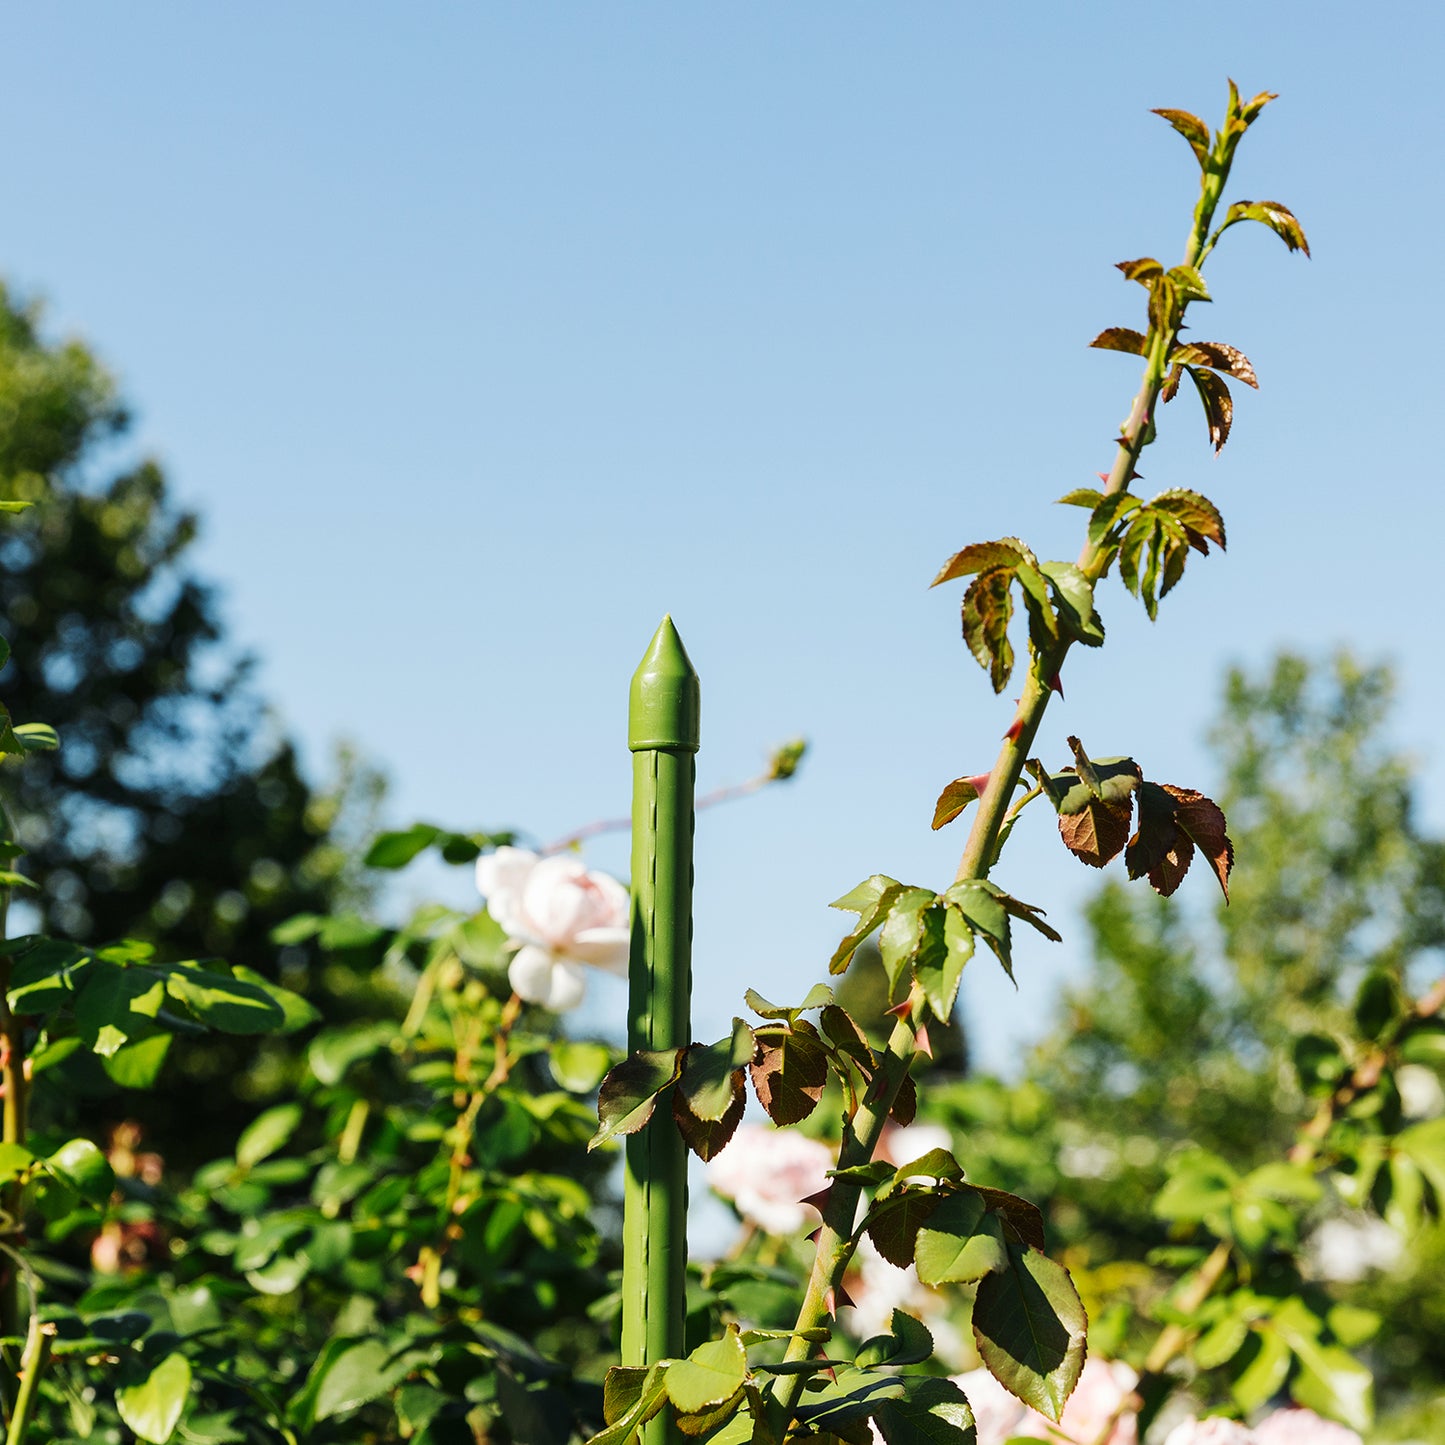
column 767, row 1173
column 558, row 915
column 1302, row 1427
column 1214, row 1431
column 997, row 1413
column 1102, row 1385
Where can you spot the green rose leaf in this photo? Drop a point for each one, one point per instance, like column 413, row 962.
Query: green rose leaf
column 82, row 1166
column 397, row 849
column 223, row 1001
column 266, row 1133
column 908, row 1342
column 153, row 1408
column 870, row 900
column 712, row 1373
column 962, row 1241
column 934, row 1411
column 1030, row 1328
column 903, row 932
column 628, row 1093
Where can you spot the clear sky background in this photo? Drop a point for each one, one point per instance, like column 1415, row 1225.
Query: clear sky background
column 483, row 335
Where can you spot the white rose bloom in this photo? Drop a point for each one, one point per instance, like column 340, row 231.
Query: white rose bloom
column 1348, row 1248
column 767, row 1173
column 1214, row 1431
column 1302, row 1427
column 558, row 915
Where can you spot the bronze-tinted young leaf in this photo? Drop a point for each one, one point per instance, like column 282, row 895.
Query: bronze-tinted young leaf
column 1145, row 270
column 706, row 1137
column 847, row 1037
column 1193, row 130
column 1097, row 833
column 1171, row 383
column 1203, row 820
column 894, row 1223
column 628, row 1093
column 1165, row 304
column 1023, row 1222
column 1171, row 822
column 1120, row 338
column 1028, row 913
column 790, row 1070
column 1280, row 219
column 1218, row 404
column 953, row 800
column 1219, row 357
column 905, row 1103
column 987, row 610
column 983, row 557
column 1030, row 1326
column 1188, row 283
column 1196, row 512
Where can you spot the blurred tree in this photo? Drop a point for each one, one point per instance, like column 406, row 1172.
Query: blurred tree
column 174, row 809
column 1183, row 1032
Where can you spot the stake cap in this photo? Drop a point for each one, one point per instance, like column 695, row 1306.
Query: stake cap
column 665, row 702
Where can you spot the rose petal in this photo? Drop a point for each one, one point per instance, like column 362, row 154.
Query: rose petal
column 569, row 984
column 606, row 948
column 530, row 973
column 501, row 878
column 559, row 901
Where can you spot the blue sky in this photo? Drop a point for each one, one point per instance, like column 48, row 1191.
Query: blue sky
column 481, row 336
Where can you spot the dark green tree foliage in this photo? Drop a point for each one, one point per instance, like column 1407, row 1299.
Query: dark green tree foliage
column 172, row 808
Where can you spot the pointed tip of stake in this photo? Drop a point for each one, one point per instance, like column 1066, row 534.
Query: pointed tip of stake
column 664, row 707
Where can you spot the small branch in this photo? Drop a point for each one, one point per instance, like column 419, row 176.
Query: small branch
column 32, row 1367
column 781, row 766
column 1363, row 1077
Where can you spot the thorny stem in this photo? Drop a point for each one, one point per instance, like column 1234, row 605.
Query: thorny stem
column 835, row 1242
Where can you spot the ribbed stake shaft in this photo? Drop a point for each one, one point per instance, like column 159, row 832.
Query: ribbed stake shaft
column 663, row 736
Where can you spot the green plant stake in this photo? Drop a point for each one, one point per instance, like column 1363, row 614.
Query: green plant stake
column 663, row 735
